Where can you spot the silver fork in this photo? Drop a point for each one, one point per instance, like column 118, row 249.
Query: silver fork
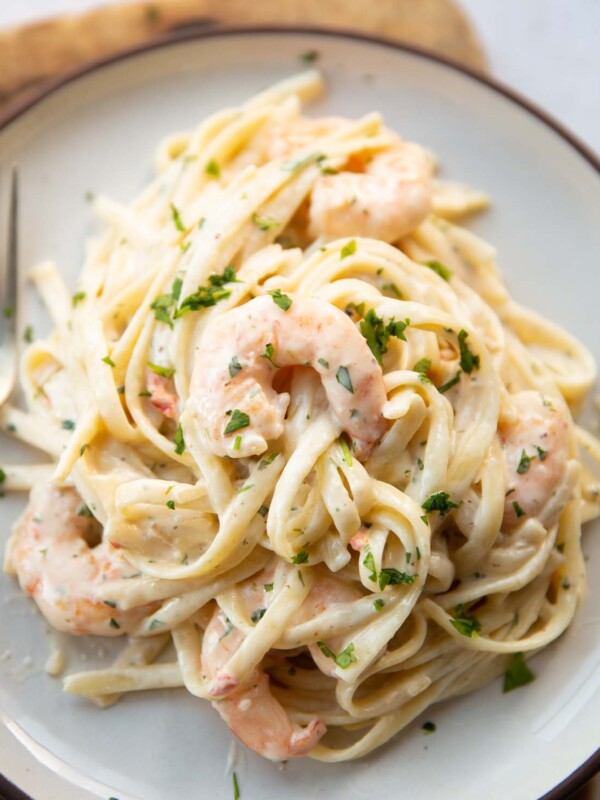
column 8, row 298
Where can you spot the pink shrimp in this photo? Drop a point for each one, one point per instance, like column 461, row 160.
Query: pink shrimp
column 249, row 709
column 387, row 200
column 535, row 455
column 162, row 393
column 231, row 392
column 62, row 572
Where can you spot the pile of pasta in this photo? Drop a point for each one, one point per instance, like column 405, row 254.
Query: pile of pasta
column 366, row 586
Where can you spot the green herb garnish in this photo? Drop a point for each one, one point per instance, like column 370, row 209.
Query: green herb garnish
column 177, row 221
column 213, row 169
column 234, row 366
column 164, row 372
column 239, row 419
column 518, row 510
column 468, row 361
column 524, row 463
column 517, row 674
column 465, row 624
column 282, row 300
column 264, row 223
column 179, row 441
column 438, row 267
column 343, row 659
column 377, row 334
column 269, row 354
column 452, row 382
column 393, row 577
column 342, row 376
column 440, row 501
column 348, row 249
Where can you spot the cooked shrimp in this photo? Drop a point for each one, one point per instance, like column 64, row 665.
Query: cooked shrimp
column 250, row 710
column 240, row 353
column 387, row 200
column 61, row 571
column 535, row 456
column 162, row 393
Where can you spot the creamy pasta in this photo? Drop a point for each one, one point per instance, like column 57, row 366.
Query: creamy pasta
column 305, row 451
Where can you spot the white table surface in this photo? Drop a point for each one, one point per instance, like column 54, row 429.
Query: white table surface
column 546, row 49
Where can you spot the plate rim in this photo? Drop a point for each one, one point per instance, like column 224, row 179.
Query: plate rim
column 198, row 32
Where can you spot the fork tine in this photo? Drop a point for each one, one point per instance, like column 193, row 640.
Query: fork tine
column 8, row 296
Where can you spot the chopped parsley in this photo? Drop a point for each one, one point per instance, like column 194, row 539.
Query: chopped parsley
column 282, row 300
column 67, row 425
column 440, row 501
column 465, row 624
column 342, row 376
column 517, row 674
column 265, row 462
column 205, row 297
column 377, row 334
column 165, row 303
column 343, row 659
column 28, row 334
column 113, row 623
column 542, row 454
column 268, row 587
column 468, row 361
column 84, row 511
column 438, row 267
column 237, row 443
column 2, row 475
column 323, row 362
column 264, row 223
column 208, row 296
column 179, row 441
column 108, row 360
column 258, row 614
column 171, row 504
column 429, row 728
column 177, row 221
column 213, row 169
column 518, row 510
column 164, row 372
column 379, row 604
column 348, row 249
column 369, row 563
column 393, row 577
column 238, row 419
column 422, row 366
column 392, row 289
column 451, row 383
column 345, row 451
column 236, row 787
column 234, row 366
column 263, row 511
column 269, row 354
column 77, row 298
column 524, row 463
column 300, row 558
column 309, row 56
column 228, row 276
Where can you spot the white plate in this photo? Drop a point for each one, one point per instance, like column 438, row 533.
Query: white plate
column 99, row 133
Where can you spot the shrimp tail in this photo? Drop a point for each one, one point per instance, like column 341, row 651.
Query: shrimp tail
column 303, row 741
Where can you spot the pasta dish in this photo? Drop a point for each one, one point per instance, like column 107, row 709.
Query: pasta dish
column 304, row 451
